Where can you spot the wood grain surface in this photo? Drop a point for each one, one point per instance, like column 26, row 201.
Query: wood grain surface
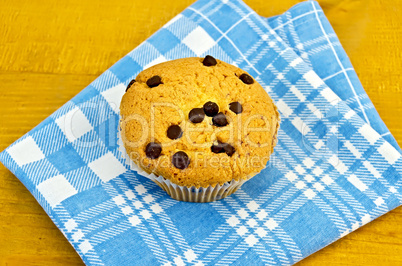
column 51, row 50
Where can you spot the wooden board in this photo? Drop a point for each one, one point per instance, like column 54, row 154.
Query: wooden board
column 50, row 50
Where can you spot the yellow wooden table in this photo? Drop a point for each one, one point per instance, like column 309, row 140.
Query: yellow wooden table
column 50, row 50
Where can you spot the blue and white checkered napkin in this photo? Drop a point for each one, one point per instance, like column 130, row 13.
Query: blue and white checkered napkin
column 335, row 168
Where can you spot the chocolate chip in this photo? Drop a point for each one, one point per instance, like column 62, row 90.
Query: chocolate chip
column 209, row 61
column 153, row 150
column 236, row 107
column 217, row 148
column 174, row 132
column 229, row 149
column 223, row 147
column 246, row 78
column 130, row 84
column 211, row 109
column 196, row 115
column 220, row 120
column 154, row 81
column 180, row 160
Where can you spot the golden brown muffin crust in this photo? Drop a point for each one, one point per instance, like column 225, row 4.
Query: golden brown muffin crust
column 148, row 112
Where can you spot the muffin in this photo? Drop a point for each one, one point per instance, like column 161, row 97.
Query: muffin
column 199, row 127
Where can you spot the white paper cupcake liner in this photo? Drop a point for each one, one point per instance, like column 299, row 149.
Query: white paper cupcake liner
column 201, row 194
column 183, row 193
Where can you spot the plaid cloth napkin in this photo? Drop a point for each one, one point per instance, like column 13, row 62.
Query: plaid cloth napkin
column 335, row 168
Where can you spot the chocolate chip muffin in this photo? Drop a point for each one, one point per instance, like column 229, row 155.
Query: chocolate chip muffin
column 201, row 126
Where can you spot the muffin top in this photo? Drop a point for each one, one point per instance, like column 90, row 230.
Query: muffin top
column 198, row 122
